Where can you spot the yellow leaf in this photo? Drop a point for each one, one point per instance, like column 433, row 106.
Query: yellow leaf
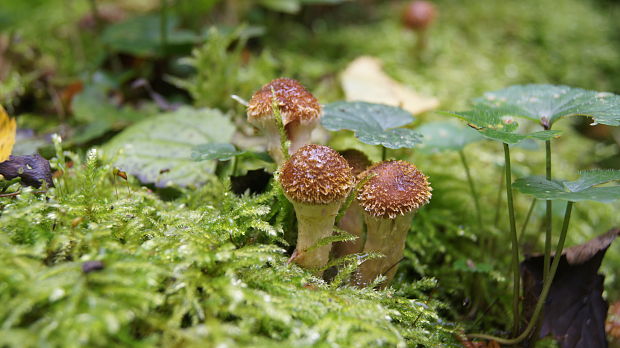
column 7, row 134
column 364, row 80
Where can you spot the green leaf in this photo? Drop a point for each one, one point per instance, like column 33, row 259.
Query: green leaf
column 372, row 123
column 158, row 150
column 581, row 189
column 499, row 124
column 446, row 136
column 215, row 151
column 549, row 103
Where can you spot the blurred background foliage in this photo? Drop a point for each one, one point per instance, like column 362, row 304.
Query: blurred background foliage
column 88, row 69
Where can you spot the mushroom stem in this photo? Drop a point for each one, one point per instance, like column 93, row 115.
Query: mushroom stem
column 314, row 222
column 352, row 222
column 388, row 238
column 299, row 133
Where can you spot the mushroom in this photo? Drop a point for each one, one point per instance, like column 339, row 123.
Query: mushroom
column 418, row 16
column 352, row 221
column 316, row 180
column 299, row 109
column 389, row 200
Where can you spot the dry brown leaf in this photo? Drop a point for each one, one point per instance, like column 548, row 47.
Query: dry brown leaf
column 364, row 80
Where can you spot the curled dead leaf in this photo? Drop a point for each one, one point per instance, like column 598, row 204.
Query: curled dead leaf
column 364, row 80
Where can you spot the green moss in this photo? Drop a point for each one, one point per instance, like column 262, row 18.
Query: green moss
column 203, row 270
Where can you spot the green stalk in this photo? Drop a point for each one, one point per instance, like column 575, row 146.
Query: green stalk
column 545, row 291
column 548, row 213
column 383, row 153
column 472, row 188
column 527, row 219
column 499, row 198
column 515, row 243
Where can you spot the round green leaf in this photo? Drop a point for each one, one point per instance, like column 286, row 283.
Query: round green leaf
column 158, row 150
column 372, row 123
column 214, row 151
column 548, row 103
column 446, row 136
column 499, row 124
column 582, row 189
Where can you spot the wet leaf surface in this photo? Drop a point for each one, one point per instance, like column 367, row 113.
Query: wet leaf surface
column 373, row 124
column 32, row 169
column 499, row 124
column 575, row 310
column 581, row 189
column 549, row 103
column 158, row 150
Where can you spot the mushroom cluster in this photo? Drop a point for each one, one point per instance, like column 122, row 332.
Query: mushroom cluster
column 316, row 180
column 299, row 109
column 389, row 199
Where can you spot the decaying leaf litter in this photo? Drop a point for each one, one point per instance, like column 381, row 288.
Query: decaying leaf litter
column 139, row 240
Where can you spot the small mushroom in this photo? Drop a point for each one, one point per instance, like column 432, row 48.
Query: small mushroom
column 353, row 219
column 418, row 16
column 389, row 200
column 299, row 109
column 316, row 179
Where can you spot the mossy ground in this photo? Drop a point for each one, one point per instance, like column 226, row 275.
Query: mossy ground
column 209, row 268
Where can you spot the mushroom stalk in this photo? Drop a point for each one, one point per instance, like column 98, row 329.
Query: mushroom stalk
column 390, row 198
column 314, row 222
column 388, row 238
column 316, row 180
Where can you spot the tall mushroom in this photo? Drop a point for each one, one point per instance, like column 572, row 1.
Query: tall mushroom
column 353, row 219
column 299, row 109
column 317, row 180
column 418, row 15
column 389, row 199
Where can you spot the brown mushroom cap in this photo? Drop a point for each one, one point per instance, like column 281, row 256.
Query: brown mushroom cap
column 294, row 100
column 418, row 15
column 397, row 188
column 316, row 174
column 357, row 160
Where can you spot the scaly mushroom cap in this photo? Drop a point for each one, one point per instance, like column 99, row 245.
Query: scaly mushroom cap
column 316, row 174
column 357, row 160
column 295, row 102
column 397, row 188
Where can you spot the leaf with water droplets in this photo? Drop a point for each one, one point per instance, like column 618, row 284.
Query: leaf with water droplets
column 374, row 124
column 549, row 103
column 499, row 124
column 582, row 189
column 158, row 150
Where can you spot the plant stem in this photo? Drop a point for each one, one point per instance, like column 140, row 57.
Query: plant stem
column 383, row 153
column 527, row 219
column 472, row 188
column 515, row 243
column 499, row 197
column 548, row 230
column 545, row 291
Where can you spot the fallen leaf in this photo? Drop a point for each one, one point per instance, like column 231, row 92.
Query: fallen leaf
column 575, row 311
column 7, row 134
column 364, row 80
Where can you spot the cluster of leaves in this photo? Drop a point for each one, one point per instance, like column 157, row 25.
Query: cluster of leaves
column 89, row 263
